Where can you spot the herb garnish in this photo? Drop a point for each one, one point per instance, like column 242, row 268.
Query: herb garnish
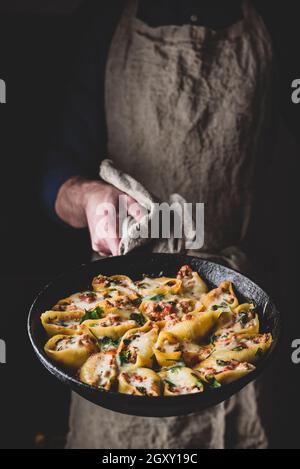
column 243, row 318
column 199, row 383
column 124, row 357
column 176, row 368
column 157, row 298
column 222, row 363
column 142, row 390
column 94, row 314
column 222, row 305
column 170, row 384
column 138, row 318
column 213, row 382
column 109, row 342
column 137, row 302
column 238, row 349
column 213, row 339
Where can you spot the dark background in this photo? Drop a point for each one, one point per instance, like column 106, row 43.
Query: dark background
column 39, row 41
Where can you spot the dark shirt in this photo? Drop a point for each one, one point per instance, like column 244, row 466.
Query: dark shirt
column 80, row 143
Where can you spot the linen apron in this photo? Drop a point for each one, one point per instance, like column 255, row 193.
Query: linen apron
column 187, row 111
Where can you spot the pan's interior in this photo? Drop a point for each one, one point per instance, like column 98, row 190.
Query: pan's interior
column 151, row 264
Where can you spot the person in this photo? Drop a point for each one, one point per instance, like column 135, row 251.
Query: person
column 178, row 94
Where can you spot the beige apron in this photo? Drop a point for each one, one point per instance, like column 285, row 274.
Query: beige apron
column 187, row 112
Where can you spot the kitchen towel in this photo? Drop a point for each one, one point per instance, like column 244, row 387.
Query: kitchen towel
column 232, row 256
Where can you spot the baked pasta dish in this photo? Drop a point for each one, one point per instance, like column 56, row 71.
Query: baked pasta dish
column 156, row 336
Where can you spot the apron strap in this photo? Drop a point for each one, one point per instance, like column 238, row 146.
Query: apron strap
column 247, row 8
column 131, row 8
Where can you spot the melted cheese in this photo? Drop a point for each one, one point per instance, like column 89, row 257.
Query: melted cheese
column 170, row 348
column 81, row 304
column 143, row 343
column 141, row 380
column 181, row 380
column 104, row 369
column 194, row 286
column 69, row 343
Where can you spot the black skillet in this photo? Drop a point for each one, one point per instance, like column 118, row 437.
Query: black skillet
column 152, row 264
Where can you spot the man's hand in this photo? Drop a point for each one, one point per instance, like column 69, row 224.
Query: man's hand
column 79, row 203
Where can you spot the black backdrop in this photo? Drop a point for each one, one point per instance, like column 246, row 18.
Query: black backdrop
column 37, row 51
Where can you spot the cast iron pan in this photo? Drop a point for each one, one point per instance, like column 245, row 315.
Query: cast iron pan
column 152, row 264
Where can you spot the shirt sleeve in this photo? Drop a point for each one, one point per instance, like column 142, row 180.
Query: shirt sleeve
column 80, row 140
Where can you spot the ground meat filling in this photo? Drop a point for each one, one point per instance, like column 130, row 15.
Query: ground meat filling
column 169, row 310
column 82, row 341
column 70, row 322
column 224, row 367
column 104, row 370
column 143, row 384
column 185, row 272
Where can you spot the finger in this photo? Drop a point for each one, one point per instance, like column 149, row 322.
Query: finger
column 100, row 238
column 135, row 210
column 109, row 245
column 114, row 246
column 100, row 246
column 113, row 240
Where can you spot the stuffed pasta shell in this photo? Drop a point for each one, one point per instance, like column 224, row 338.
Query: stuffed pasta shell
column 163, row 309
column 100, row 370
column 179, row 380
column 220, row 372
column 83, row 301
column 114, row 325
column 243, row 348
column 192, row 284
column 221, row 298
column 140, row 382
column 63, row 322
column 192, row 326
column 244, row 320
column 114, row 286
column 136, row 347
column 71, row 351
column 167, row 349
